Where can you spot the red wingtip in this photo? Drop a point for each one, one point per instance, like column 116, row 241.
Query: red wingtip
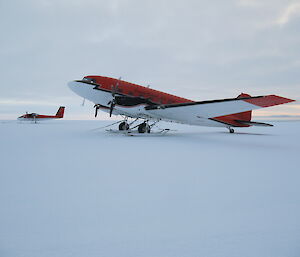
column 269, row 100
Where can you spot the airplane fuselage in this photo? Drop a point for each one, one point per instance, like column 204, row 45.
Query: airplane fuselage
column 29, row 117
column 116, row 96
column 39, row 117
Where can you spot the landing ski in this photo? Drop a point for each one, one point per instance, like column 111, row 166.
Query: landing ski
column 136, row 133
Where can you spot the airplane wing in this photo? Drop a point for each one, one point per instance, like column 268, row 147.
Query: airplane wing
column 192, row 112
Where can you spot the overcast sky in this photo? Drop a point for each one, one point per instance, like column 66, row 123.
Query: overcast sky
column 195, row 49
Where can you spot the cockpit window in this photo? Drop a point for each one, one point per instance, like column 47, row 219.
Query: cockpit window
column 89, row 80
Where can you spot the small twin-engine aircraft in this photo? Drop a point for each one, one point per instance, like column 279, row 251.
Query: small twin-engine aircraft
column 36, row 117
column 116, row 96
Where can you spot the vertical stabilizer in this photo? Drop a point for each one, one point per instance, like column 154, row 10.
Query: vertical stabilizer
column 234, row 119
column 245, row 116
column 60, row 112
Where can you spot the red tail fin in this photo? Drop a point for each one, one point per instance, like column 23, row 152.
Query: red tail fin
column 232, row 119
column 60, row 112
column 245, row 116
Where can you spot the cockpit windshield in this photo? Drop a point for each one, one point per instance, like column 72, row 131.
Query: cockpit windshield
column 90, row 80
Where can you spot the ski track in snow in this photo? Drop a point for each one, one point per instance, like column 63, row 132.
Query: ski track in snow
column 69, row 190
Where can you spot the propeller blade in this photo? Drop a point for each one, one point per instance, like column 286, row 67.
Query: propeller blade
column 115, row 88
column 96, row 106
column 112, row 105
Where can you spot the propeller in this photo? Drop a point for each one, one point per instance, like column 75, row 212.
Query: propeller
column 112, row 103
column 112, row 106
column 34, row 117
column 96, row 106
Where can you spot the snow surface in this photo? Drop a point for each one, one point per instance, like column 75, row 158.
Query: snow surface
column 69, row 190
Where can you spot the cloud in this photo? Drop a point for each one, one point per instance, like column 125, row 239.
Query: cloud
column 288, row 13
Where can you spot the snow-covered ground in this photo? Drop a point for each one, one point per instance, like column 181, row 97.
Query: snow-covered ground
column 68, row 190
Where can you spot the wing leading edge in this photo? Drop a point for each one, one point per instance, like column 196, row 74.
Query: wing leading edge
column 193, row 112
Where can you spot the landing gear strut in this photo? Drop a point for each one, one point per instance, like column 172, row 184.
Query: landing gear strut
column 231, row 130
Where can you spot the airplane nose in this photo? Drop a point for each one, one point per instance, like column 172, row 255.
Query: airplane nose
column 73, row 85
column 77, row 87
column 82, row 89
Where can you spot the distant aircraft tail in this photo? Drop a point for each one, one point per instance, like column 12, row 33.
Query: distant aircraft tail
column 60, row 112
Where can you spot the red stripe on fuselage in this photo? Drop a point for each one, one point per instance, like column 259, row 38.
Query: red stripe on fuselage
column 47, row 117
column 29, row 116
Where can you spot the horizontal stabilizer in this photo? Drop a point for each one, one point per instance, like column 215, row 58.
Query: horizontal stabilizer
column 253, row 123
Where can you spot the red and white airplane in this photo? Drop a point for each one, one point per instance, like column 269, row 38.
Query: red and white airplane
column 36, row 117
column 116, row 96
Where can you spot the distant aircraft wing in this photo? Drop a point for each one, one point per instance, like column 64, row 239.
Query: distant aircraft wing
column 193, row 111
